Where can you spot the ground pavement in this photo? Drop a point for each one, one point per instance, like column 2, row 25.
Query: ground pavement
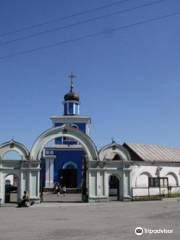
column 86, row 221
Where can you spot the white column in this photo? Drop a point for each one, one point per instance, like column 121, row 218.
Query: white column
column 100, row 183
column 38, row 184
column 49, row 181
column 21, row 184
column 92, row 183
column 106, row 184
column 2, row 187
column 51, row 175
column 47, row 173
column 29, row 184
column 126, row 182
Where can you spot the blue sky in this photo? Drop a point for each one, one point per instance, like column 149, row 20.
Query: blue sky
column 128, row 80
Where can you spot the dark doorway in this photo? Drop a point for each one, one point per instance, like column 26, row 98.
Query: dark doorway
column 69, row 177
column 114, row 188
column 11, row 189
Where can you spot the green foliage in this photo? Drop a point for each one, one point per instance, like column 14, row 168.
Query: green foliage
column 156, row 197
column 173, row 195
column 148, row 198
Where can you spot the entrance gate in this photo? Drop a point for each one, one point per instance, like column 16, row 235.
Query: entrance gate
column 25, row 170
column 87, row 144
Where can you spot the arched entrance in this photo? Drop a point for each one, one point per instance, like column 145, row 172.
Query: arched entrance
column 11, row 188
column 69, row 175
column 67, row 132
column 114, row 188
column 17, row 172
column 118, row 161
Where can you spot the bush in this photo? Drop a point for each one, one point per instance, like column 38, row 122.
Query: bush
column 156, row 197
column 173, row 195
column 148, row 198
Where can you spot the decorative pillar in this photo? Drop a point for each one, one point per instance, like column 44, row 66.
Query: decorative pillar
column 21, row 185
column 47, row 173
column 99, row 192
column 126, row 184
column 92, row 180
column 38, row 184
column 1, row 188
column 100, row 183
column 29, row 183
column 49, row 180
column 106, row 184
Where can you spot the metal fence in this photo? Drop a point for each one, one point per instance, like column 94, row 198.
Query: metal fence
column 150, row 192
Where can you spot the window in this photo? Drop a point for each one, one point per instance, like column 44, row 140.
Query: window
column 164, row 182
column 12, row 155
column 158, row 182
column 49, row 152
column 74, row 126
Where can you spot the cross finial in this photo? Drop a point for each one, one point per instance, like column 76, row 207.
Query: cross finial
column 71, row 77
column 113, row 141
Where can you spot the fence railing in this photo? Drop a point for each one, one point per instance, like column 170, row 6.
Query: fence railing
column 153, row 192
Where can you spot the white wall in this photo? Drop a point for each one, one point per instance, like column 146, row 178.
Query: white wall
column 140, row 174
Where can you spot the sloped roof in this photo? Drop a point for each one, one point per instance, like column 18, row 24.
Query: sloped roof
column 149, row 152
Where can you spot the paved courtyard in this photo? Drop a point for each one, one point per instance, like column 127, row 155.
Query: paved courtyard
column 84, row 221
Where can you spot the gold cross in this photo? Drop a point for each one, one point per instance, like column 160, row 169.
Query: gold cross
column 71, row 77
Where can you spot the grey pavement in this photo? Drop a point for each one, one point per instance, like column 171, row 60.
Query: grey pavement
column 68, row 197
column 85, row 221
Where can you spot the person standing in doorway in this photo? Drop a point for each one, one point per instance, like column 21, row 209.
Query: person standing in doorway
column 58, row 190
column 64, row 190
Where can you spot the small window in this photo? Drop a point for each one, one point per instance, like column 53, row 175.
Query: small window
column 47, row 152
column 70, row 166
column 158, row 182
column 74, row 126
column 154, row 182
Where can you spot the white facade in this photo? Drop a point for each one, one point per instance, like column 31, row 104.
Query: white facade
column 141, row 173
column 112, row 160
column 27, row 172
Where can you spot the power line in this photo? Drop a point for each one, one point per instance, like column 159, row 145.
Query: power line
column 63, row 18
column 80, row 22
column 90, row 35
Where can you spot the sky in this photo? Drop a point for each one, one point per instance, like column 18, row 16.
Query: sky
column 127, row 68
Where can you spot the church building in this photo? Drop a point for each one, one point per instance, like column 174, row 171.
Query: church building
column 63, row 161
column 65, row 154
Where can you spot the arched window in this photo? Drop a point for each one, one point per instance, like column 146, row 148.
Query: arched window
column 70, row 166
column 172, row 179
column 143, row 180
column 117, row 157
column 75, row 126
column 12, row 155
column 66, row 140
